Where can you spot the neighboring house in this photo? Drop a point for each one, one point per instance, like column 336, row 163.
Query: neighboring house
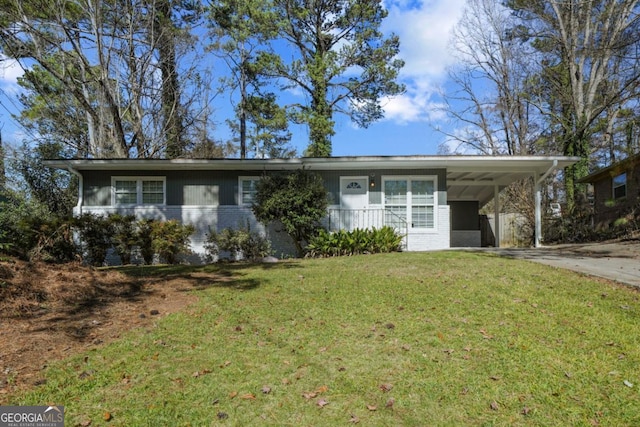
column 616, row 190
column 434, row 201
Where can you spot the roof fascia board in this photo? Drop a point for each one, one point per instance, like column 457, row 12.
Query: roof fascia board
column 519, row 164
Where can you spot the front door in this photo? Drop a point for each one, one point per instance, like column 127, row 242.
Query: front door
column 353, row 192
column 354, row 200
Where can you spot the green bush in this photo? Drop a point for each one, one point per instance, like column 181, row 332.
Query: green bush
column 297, row 200
column 94, row 233
column 171, row 239
column 31, row 232
column 124, row 237
column 144, row 239
column 241, row 243
column 54, row 241
column 358, row 241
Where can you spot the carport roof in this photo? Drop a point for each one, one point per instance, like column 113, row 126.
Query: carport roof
column 468, row 177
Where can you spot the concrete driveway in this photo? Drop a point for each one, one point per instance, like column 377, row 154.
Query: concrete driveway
column 618, row 261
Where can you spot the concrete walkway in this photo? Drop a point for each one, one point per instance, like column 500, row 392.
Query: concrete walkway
column 617, row 261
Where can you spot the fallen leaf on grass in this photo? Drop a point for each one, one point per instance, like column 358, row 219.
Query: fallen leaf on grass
column 627, row 383
column 322, row 403
column 266, row 389
column 390, row 402
column 86, row 423
column 485, row 335
column 233, row 394
column 386, row 387
column 525, row 411
column 372, row 407
column 494, row 406
column 354, row 419
column 248, row 396
column 200, row 373
column 309, row 395
column 107, row 416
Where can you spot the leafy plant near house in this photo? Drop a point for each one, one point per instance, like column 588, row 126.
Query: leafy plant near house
column 144, row 239
column 358, row 241
column 95, row 233
column 171, row 239
column 297, row 200
column 20, row 221
column 240, row 243
column 53, row 240
column 124, row 237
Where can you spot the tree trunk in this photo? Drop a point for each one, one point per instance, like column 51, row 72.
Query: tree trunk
column 170, row 87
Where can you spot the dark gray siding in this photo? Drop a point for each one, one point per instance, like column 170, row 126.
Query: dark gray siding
column 212, row 188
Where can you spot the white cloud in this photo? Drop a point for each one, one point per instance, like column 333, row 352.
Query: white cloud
column 10, row 70
column 413, row 106
column 424, row 29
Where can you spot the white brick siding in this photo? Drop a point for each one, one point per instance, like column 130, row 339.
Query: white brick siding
column 206, row 218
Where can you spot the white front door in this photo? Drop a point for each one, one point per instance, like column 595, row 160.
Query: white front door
column 354, row 200
column 354, row 192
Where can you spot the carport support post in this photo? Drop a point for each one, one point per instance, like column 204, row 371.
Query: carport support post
column 496, row 214
column 538, row 196
column 538, row 214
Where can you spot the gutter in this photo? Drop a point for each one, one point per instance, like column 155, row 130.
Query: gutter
column 78, row 207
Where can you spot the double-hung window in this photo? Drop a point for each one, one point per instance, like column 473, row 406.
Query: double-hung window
column 620, row 186
column 247, row 186
column 133, row 191
column 410, row 202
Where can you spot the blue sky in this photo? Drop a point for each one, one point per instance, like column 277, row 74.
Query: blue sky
column 410, row 122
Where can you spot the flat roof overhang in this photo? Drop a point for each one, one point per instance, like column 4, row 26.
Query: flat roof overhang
column 469, row 178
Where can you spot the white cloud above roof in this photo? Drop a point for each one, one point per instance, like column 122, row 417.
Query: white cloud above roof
column 424, row 28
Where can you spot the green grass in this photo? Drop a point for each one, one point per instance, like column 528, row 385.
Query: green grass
column 452, row 338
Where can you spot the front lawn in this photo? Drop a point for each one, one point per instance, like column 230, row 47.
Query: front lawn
column 429, row 339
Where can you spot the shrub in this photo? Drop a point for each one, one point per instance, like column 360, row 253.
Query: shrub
column 358, row 241
column 95, row 233
column 54, row 241
column 124, row 237
column 171, row 239
column 297, row 200
column 31, row 232
column 241, row 243
column 144, row 239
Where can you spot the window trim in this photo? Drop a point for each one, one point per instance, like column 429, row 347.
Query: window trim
column 139, row 195
column 409, row 179
column 240, row 180
column 623, row 185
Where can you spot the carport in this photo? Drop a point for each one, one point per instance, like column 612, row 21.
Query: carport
column 481, row 178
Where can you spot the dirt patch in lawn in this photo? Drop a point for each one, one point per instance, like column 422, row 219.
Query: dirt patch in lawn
column 49, row 312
